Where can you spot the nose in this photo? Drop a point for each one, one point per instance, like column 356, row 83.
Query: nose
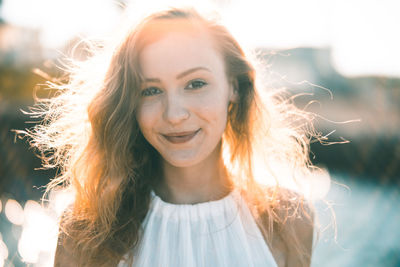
column 175, row 110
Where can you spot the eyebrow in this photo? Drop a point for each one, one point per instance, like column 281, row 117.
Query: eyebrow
column 181, row 75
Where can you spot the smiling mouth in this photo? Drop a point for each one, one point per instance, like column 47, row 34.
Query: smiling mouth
column 179, row 138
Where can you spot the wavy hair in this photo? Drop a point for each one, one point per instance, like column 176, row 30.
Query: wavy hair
column 89, row 131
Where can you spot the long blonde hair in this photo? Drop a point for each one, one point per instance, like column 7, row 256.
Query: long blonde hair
column 89, row 131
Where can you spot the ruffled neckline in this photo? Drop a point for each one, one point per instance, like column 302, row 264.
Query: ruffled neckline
column 194, row 211
column 221, row 232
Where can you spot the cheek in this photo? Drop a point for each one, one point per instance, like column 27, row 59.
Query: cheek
column 146, row 117
column 216, row 103
column 214, row 110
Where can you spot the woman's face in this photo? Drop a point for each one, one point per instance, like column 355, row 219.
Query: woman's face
column 185, row 96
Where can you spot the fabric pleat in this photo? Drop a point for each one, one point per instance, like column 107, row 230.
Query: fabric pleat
column 214, row 233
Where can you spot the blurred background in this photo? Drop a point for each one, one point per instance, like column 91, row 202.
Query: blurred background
column 343, row 54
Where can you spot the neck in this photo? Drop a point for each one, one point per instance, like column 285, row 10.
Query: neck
column 202, row 182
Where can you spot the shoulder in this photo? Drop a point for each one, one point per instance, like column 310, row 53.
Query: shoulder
column 64, row 253
column 292, row 219
column 297, row 230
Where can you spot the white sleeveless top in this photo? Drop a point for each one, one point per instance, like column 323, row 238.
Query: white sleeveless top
column 215, row 233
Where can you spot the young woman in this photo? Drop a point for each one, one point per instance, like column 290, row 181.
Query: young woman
column 162, row 153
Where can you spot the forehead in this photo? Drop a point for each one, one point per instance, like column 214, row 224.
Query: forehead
column 156, row 29
column 176, row 46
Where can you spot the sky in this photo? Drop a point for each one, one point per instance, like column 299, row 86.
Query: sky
column 362, row 34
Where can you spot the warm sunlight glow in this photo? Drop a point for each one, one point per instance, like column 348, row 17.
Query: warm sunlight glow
column 361, row 33
column 61, row 20
column 370, row 43
column 1, row 206
column 313, row 186
column 14, row 212
column 59, row 201
column 279, row 24
column 3, row 252
column 143, row 7
column 317, row 185
column 39, row 234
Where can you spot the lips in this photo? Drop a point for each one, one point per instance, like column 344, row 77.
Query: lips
column 180, row 137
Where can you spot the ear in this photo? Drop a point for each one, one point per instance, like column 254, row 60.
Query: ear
column 234, row 88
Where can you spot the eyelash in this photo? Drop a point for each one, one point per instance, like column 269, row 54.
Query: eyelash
column 150, row 91
column 202, row 84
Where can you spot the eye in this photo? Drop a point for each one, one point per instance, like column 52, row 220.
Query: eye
column 150, row 91
column 196, row 84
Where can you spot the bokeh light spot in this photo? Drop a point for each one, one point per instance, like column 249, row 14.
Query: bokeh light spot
column 59, row 200
column 3, row 252
column 39, row 234
column 14, row 212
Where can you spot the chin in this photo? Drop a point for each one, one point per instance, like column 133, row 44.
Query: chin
column 182, row 162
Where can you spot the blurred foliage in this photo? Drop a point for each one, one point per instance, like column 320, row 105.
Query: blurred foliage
column 17, row 84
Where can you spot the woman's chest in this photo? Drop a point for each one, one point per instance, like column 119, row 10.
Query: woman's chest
column 210, row 236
